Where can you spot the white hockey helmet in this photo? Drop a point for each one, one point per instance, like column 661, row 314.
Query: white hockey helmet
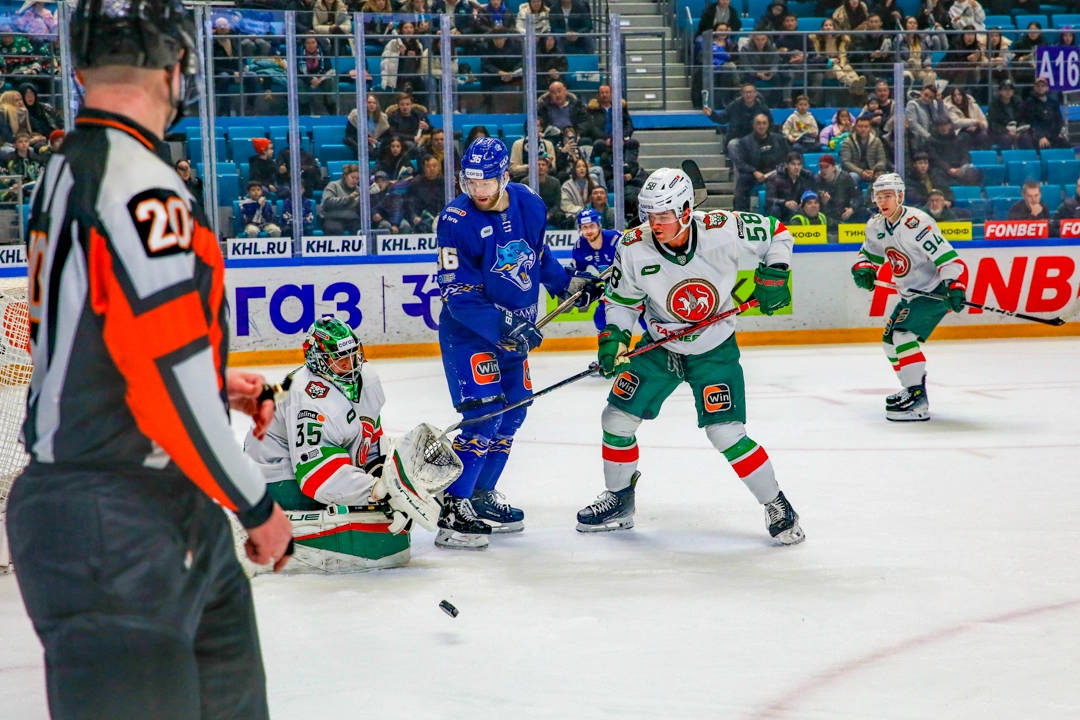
column 890, row 181
column 666, row 189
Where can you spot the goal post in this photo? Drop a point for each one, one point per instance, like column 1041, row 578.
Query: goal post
column 15, row 369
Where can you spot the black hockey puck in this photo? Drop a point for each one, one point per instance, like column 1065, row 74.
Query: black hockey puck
column 447, row 608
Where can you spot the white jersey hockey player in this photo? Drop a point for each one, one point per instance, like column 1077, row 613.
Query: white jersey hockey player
column 681, row 269
column 921, row 259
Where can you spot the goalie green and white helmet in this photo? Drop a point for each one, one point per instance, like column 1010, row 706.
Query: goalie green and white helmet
column 890, row 181
column 328, row 342
column 666, row 189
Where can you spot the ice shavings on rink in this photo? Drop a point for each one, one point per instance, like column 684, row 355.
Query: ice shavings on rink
column 937, row 580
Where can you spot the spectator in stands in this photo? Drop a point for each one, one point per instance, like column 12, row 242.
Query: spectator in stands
column 1068, row 210
column 951, row 154
column 426, row 196
column 43, row 118
column 305, row 15
column 1031, row 207
column 310, row 173
column 559, row 108
column 883, row 95
column 890, row 12
column 502, row 72
column 477, row 131
column 56, row 139
column 964, row 59
column 539, row 10
column 257, row 214
column 460, row 10
column 967, row 13
column 307, row 215
column 433, row 145
column 376, row 122
column 833, row 135
column 15, row 112
column 999, row 55
column 739, row 115
column 1043, row 114
column 718, row 13
column 852, row 15
column 331, row 18
column 23, row 165
column 835, row 47
column 967, row 116
column 395, row 160
column 759, row 61
column 937, row 207
column 568, row 152
column 921, row 179
column 317, row 79
column 1066, row 36
column 872, row 50
column 634, row 177
column 841, row 196
column 419, row 11
column 757, row 156
column 340, row 207
column 1023, row 66
column 191, row 180
column 18, row 53
column 496, row 17
column 933, row 15
column 551, row 62
column 577, row 190
column 401, row 61
column 599, row 109
column 916, row 53
column 432, row 64
column 572, row 20
column 923, row 113
column 784, row 190
column 1006, row 118
column 724, row 68
column 36, row 20
column 519, row 152
column 863, row 153
column 261, row 166
column 550, row 191
column 598, row 198
column 386, row 204
column 809, row 211
column 773, row 19
column 792, row 48
column 407, row 122
column 871, row 111
column 801, row 129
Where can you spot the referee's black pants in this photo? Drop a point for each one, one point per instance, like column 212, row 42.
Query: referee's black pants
column 134, row 589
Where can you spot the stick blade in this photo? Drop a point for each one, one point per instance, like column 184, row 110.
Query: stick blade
column 693, row 172
column 1070, row 313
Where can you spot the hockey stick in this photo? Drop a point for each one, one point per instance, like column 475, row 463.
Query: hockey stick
column 594, row 368
column 693, row 172
column 565, row 304
column 1069, row 313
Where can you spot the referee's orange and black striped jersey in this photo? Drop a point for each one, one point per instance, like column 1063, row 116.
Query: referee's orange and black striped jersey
column 128, row 320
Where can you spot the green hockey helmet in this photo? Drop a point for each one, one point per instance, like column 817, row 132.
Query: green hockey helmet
column 334, row 353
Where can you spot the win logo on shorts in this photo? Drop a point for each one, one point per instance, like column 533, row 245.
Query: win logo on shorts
column 626, row 385
column 316, row 390
column 485, row 368
column 717, row 398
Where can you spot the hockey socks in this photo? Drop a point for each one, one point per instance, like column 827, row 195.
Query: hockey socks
column 748, row 459
column 473, row 451
column 497, row 455
column 906, row 356
column 620, row 449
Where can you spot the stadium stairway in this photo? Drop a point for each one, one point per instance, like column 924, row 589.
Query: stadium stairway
column 647, row 54
column 669, row 147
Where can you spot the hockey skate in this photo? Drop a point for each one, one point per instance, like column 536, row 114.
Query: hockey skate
column 492, row 508
column 459, row 527
column 908, row 405
column 783, row 521
column 611, row 511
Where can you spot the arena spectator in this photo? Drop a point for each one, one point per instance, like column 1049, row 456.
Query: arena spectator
column 539, row 10
column 432, row 145
column 24, row 166
column 432, row 63
column 921, row 178
column 558, row 108
column 550, row 191
column 833, row 135
column 773, row 19
column 933, row 15
column 406, row 120
column 395, row 160
column 967, row 116
column 261, row 166
column 599, row 110
column 331, row 17
column 598, row 198
column 426, row 196
column 340, row 207
column 634, row 177
column 784, row 190
column 502, row 71
column 36, row 20
column 871, row 52
column 809, row 211
column 1006, row 118
column 923, row 113
column 834, row 48
column 519, row 152
column 890, row 12
column 801, row 129
column 191, row 180
column 310, row 173
column 56, row 139
column 257, row 214
column 18, row 53
column 1043, row 114
column 460, row 10
column 376, row 122
column 725, row 70
column 759, row 61
column 792, row 48
column 756, row 158
column 43, row 118
column 1066, row 36
column 572, row 20
column 938, row 209
column 951, row 154
column 1031, row 207
column 739, row 115
column 568, row 152
column 719, row 13
column 387, row 208
column 1023, row 65
column 305, row 15
column 863, row 153
column 16, row 114
column 965, row 59
column 1068, row 210
column 307, row 217
column 883, row 95
column 551, row 62
column 967, row 13
column 871, row 111
column 915, row 51
column 577, row 190
column 838, row 191
column 496, row 17
column 852, row 15
column 317, row 79
column 401, row 61
column 999, row 55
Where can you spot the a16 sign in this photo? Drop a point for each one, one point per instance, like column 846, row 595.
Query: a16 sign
column 1060, row 65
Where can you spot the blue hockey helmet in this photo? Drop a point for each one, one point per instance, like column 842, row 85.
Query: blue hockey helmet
column 586, row 216
column 486, row 159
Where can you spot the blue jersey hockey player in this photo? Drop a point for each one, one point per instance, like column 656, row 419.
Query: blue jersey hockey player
column 492, row 261
column 595, row 249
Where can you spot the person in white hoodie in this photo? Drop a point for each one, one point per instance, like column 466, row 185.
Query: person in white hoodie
column 967, row 13
column 801, row 129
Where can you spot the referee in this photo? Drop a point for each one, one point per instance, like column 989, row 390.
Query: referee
column 125, row 562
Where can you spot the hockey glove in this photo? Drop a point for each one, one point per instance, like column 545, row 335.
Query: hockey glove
column 590, row 287
column 518, row 334
column 956, row 296
column 865, row 274
column 772, row 287
column 613, row 343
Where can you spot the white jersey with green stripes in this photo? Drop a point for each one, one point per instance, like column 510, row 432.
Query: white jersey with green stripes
column 322, row 440
column 916, row 249
column 679, row 289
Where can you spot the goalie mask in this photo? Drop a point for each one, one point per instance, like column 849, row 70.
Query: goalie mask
column 334, row 353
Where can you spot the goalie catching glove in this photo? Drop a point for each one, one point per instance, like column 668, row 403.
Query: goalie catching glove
column 409, row 483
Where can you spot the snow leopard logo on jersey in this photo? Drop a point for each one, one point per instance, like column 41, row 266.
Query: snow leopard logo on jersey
column 693, row 300
column 715, row 220
column 901, row 263
column 513, row 261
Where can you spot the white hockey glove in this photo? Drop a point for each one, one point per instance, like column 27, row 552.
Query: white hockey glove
column 408, row 482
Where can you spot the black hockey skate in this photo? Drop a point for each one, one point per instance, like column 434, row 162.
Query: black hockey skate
column 783, row 521
column 459, row 527
column 611, row 511
column 909, row 405
column 492, row 508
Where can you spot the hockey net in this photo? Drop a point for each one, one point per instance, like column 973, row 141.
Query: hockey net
column 15, row 368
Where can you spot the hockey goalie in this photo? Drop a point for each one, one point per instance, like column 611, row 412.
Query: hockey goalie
column 351, row 493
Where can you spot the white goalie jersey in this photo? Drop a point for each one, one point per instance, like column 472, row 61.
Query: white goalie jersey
column 322, row 440
column 920, row 256
column 678, row 289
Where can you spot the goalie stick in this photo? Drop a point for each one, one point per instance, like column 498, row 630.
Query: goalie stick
column 1070, row 312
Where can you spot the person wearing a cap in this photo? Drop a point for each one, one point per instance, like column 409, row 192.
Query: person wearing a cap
column 784, row 190
column 951, row 154
column 937, row 208
column 809, row 211
column 1043, row 114
column 841, row 200
column 261, row 166
column 387, row 205
column 922, row 178
column 1006, row 117
column 921, row 114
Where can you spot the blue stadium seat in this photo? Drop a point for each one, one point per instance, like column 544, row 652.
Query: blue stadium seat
column 335, row 152
column 329, row 135
column 374, row 69
column 1010, row 155
column 585, row 71
column 246, row 131
column 756, row 10
column 228, row 189
column 823, row 116
column 978, row 208
column 910, row 7
column 1001, row 207
column 335, row 168
column 1022, row 21
column 1005, row 191
column 242, row 149
column 1063, row 20
column 984, row 157
column 808, row 24
column 194, row 148
column 223, row 168
column 1005, row 22
column 344, row 66
column 993, row 174
column 965, row 192
column 244, row 171
column 1062, row 172
column 779, row 115
column 1021, row 171
column 1055, row 154
column 237, row 223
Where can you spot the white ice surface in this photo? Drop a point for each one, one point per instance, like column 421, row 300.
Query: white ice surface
column 939, row 578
